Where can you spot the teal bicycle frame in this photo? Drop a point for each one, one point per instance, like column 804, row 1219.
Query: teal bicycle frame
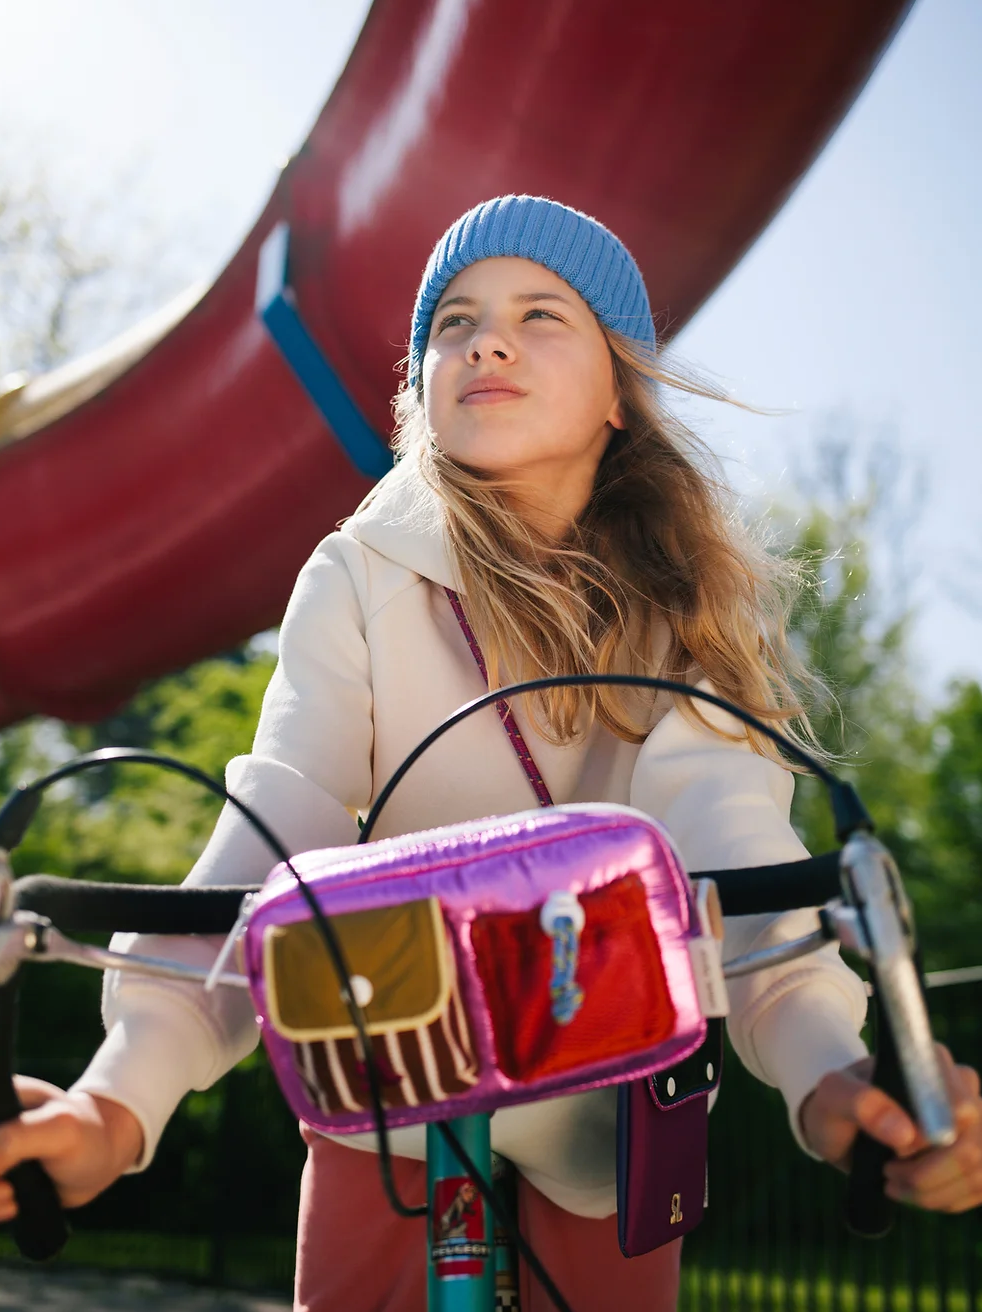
column 461, row 1259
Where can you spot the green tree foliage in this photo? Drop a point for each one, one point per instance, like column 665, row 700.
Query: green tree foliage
column 917, row 767
column 870, row 719
column 136, row 822
column 75, row 268
column 129, row 823
column 949, row 881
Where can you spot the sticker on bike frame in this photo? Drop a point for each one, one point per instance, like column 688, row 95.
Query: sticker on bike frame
column 459, row 1244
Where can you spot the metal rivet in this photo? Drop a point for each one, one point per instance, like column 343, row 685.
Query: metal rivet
column 710, row 1070
column 670, row 1087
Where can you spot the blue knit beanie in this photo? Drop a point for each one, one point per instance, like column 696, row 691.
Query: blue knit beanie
column 579, row 249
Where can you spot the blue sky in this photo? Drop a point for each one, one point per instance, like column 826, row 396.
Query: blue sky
column 860, row 299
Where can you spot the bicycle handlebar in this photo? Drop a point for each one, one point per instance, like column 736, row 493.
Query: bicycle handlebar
column 80, row 907
column 77, row 907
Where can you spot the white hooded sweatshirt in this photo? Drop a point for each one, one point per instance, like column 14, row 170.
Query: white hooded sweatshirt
column 371, row 659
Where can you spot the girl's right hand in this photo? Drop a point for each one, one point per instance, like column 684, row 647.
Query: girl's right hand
column 83, row 1142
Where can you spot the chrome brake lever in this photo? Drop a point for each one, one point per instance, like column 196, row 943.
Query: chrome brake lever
column 879, row 919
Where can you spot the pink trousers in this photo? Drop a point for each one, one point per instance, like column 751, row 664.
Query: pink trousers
column 355, row 1255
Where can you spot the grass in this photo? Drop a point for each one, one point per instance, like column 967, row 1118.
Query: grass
column 254, row 1262
column 257, row 1262
column 706, row 1290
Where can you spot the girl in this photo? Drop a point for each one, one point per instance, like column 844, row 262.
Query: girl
column 543, row 496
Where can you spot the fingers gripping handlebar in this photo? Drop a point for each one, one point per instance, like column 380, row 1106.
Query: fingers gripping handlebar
column 39, row 1229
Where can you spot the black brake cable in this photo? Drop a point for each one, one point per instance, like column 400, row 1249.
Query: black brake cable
column 850, row 814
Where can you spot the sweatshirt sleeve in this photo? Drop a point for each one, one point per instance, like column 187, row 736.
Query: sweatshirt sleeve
column 726, row 807
column 309, row 770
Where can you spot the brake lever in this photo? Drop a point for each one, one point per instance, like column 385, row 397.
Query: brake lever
column 878, row 923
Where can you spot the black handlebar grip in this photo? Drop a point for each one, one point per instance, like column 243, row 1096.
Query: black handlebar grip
column 784, row 887
column 77, row 907
column 868, row 1212
column 39, row 1228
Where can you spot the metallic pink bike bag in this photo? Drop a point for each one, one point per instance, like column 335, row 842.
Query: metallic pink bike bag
column 497, row 961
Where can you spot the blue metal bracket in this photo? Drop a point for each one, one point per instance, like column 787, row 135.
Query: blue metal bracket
column 276, row 306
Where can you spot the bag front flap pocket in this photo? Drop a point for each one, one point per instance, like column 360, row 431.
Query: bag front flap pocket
column 621, row 1001
column 398, row 959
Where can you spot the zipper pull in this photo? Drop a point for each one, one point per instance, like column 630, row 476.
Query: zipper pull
column 245, row 911
column 562, row 917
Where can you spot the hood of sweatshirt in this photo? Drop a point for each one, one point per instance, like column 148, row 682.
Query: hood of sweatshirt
column 402, row 519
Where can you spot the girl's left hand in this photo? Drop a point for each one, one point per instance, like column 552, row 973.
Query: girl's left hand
column 938, row 1179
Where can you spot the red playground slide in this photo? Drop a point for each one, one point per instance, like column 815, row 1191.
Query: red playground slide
column 158, row 498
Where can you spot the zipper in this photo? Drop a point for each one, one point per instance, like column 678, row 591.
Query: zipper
column 356, row 878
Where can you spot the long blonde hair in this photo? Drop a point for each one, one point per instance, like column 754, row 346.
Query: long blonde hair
column 657, row 575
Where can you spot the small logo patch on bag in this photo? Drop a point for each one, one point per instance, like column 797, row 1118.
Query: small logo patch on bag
column 676, row 1216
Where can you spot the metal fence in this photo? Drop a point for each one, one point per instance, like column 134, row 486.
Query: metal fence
column 219, row 1204
column 774, row 1237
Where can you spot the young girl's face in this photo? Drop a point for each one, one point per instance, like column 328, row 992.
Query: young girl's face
column 518, row 379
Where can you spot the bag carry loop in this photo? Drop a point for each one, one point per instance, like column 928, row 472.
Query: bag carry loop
column 532, row 772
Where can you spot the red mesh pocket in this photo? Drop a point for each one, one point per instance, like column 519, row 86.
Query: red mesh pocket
column 626, row 1004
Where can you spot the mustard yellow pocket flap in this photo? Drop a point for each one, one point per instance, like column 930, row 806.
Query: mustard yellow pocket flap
column 398, row 961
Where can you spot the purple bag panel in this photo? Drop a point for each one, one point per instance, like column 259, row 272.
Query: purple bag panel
column 506, row 864
column 662, row 1141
